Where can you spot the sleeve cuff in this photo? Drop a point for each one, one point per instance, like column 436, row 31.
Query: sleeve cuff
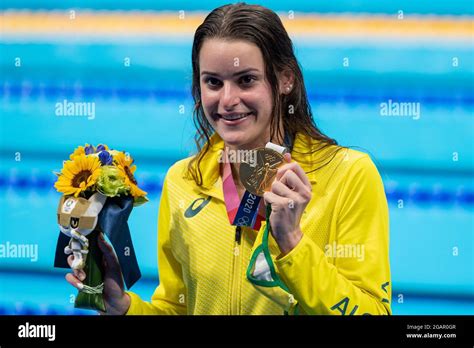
column 286, row 258
column 134, row 303
column 298, row 256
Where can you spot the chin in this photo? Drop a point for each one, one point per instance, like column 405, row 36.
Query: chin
column 236, row 139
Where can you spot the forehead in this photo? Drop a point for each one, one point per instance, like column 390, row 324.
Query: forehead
column 224, row 56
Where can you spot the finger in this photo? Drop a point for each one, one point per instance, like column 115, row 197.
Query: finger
column 109, row 254
column 79, row 273
column 287, row 157
column 282, row 190
column 273, row 199
column 105, row 246
column 293, row 182
column 71, row 279
column 110, row 261
column 295, row 167
column 70, row 259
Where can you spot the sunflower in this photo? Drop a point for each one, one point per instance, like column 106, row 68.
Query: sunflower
column 78, row 174
column 124, row 163
column 77, row 152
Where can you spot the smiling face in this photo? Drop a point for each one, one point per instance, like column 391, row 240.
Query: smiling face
column 235, row 95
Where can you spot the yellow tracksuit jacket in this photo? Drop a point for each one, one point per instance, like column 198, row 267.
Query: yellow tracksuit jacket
column 340, row 266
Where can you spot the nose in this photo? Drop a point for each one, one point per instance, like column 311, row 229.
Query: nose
column 230, row 96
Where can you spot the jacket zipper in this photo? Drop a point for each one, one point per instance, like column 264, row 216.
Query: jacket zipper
column 236, row 264
column 238, row 234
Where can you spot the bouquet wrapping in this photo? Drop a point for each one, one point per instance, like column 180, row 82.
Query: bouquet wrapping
column 99, row 192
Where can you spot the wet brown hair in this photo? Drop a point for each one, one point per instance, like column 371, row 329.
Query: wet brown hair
column 262, row 27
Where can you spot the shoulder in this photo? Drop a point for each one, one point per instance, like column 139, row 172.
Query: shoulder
column 335, row 169
column 357, row 161
column 335, row 159
column 360, row 164
column 360, row 181
column 356, row 168
column 177, row 173
column 328, row 161
column 179, row 168
column 361, row 198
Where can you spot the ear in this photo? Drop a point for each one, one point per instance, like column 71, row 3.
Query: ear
column 286, row 81
column 97, row 201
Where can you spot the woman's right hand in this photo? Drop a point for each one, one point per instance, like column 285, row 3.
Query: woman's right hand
column 117, row 301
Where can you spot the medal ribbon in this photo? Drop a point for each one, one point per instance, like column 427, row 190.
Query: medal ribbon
column 244, row 212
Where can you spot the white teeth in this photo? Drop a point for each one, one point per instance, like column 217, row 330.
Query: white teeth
column 235, row 117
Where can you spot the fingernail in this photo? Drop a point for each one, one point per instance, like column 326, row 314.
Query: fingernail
column 80, row 286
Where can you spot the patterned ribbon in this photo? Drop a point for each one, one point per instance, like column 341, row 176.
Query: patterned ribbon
column 240, row 212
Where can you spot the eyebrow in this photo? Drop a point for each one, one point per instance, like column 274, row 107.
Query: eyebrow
column 234, row 74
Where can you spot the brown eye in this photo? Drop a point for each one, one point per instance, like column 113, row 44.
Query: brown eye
column 247, row 79
column 212, row 82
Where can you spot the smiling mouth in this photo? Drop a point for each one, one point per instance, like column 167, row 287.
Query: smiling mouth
column 234, row 117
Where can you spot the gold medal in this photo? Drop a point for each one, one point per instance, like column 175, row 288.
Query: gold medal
column 258, row 178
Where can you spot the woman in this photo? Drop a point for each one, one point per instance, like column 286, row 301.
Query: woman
column 323, row 248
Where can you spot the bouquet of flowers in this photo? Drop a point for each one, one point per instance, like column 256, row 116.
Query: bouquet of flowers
column 99, row 191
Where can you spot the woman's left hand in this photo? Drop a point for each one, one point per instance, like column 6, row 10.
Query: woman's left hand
column 290, row 194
